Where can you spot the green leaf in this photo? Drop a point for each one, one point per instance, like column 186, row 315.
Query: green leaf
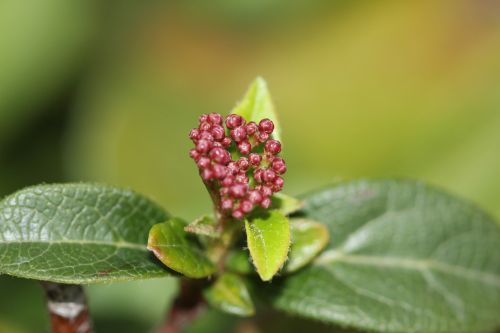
column 308, row 239
column 78, row 233
column 257, row 105
column 205, row 226
column 268, row 239
column 173, row 246
column 230, row 294
column 285, row 203
column 403, row 257
column 238, row 261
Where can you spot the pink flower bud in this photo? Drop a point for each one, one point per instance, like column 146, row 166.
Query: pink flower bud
column 265, row 203
column 203, row 118
column 219, row 171
column 226, row 142
column 255, row 196
column 227, row 204
column 239, row 134
column 194, row 134
column 241, row 178
column 251, row 128
column 246, row 206
column 273, row 147
column 220, row 155
column 233, row 168
column 263, row 137
column 257, row 175
column 238, row 190
column 244, row 147
column 203, row 162
column 279, row 165
column 278, row 184
column 233, row 121
column 207, row 174
column 268, row 175
column 228, row 181
column 266, row 126
column 238, row 214
column 205, row 135
column 194, row 154
column 215, row 118
column 243, row 164
column 203, row 146
column 218, row 132
column 205, row 126
column 255, row 159
column 266, row 191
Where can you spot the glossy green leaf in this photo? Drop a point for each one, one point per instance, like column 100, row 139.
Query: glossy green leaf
column 285, row 203
column 78, row 233
column 205, row 226
column 238, row 261
column 268, row 239
column 230, row 294
column 173, row 246
column 257, row 105
column 308, row 239
column 403, row 257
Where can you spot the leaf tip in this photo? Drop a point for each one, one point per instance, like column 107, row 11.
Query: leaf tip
column 260, row 82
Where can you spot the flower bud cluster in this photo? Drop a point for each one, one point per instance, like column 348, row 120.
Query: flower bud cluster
column 252, row 178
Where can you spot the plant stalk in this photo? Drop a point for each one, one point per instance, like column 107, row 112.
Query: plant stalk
column 67, row 308
column 189, row 302
column 228, row 231
column 219, row 214
column 186, row 307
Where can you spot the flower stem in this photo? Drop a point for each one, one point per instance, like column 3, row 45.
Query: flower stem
column 228, row 231
column 189, row 302
column 67, row 308
column 219, row 213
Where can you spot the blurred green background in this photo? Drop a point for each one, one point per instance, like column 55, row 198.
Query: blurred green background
column 108, row 90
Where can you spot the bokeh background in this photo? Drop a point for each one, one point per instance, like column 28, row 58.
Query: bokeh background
column 107, row 91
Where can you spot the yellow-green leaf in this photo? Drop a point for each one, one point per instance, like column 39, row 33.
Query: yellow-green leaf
column 173, row 246
column 268, row 239
column 230, row 294
column 238, row 261
column 205, row 226
column 285, row 203
column 257, row 105
column 308, row 239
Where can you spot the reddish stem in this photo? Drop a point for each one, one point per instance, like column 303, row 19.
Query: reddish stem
column 186, row 307
column 67, row 308
column 189, row 302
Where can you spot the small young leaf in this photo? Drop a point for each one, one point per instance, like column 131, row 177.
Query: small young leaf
column 403, row 257
column 172, row 245
column 257, row 105
column 230, row 294
column 78, row 233
column 285, row 203
column 308, row 239
column 205, row 226
column 238, row 261
column 268, row 239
